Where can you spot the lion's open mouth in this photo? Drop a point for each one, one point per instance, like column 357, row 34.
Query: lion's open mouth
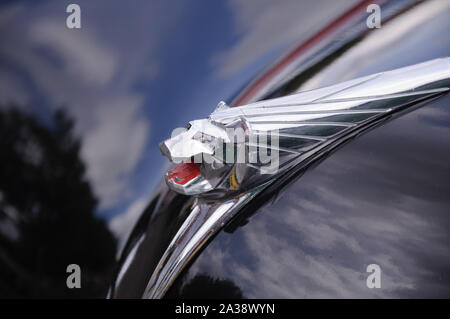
column 184, row 173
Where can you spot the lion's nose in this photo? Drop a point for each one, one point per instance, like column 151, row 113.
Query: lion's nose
column 165, row 150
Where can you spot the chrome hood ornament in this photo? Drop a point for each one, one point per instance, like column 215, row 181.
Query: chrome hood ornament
column 238, row 148
column 322, row 118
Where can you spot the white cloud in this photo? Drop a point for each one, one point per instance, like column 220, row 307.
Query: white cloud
column 114, row 131
column 94, row 79
column 84, row 56
column 122, row 224
column 114, row 146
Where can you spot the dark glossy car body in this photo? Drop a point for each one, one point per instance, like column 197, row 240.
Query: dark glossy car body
column 381, row 197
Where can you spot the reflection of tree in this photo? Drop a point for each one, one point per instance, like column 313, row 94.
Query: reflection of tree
column 43, row 194
column 204, row 286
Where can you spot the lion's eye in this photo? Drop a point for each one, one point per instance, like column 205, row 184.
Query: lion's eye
column 203, row 137
column 198, row 136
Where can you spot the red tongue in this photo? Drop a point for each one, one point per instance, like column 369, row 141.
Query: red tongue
column 183, row 173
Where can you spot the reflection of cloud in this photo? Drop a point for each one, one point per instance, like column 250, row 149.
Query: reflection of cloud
column 115, row 133
column 91, row 73
column 112, row 149
column 122, row 224
column 114, row 146
column 265, row 25
column 83, row 56
column 9, row 13
column 382, row 44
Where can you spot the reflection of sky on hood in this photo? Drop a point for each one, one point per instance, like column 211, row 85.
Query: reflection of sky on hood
column 369, row 202
column 390, row 47
column 135, row 72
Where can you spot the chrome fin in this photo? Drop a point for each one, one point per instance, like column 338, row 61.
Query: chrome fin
column 289, row 129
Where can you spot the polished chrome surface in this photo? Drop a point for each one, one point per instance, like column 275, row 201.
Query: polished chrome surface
column 298, row 125
column 324, row 118
column 203, row 221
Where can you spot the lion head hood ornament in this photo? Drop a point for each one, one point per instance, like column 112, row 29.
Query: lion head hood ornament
column 238, row 148
column 212, row 153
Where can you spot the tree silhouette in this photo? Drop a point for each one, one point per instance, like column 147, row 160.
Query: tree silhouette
column 46, row 200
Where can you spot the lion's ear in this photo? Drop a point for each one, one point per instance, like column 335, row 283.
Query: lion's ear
column 221, row 107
